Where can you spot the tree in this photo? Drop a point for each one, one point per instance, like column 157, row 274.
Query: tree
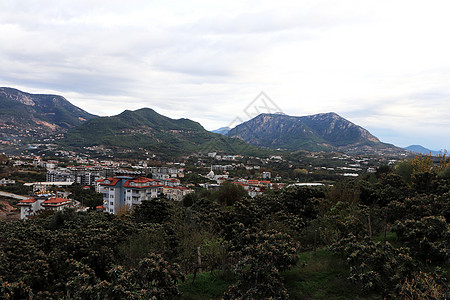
column 260, row 257
column 154, row 278
column 88, row 197
column 229, row 193
column 189, row 199
column 427, row 237
column 376, row 266
column 404, row 169
column 153, row 211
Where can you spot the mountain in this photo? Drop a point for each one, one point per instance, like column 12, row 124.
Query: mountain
column 222, row 130
column 319, row 132
column 27, row 116
column 149, row 131
column 422, row 150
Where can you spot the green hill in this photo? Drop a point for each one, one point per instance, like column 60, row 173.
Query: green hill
column 146, row 129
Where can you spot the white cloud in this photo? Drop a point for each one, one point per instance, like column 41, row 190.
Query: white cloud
column 382, row 64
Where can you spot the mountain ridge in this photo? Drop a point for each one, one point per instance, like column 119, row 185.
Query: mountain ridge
column 222, row 130
column 146, row 129
column 25, row 115
column 422, row 150
column 318, row 132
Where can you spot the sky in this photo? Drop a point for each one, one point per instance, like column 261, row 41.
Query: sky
column 383, row 65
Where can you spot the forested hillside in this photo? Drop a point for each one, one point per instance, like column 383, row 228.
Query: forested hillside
column 389, row 230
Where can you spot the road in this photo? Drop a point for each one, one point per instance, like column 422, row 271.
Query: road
column 10, row 195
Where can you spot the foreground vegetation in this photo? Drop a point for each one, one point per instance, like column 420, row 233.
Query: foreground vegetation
column 384, row 235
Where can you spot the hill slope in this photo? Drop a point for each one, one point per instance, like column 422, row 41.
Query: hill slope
column 422, row 150
column 327, row 132
column 146, row 129
column 24, row 115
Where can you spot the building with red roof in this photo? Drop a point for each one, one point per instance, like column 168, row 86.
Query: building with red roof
column 30, row 207
column 127, row 191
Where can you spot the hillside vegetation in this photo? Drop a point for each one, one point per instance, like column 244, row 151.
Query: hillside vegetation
column 381, row 236
column 146, row 129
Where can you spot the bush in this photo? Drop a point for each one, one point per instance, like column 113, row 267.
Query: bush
column 428, row 237
column 260, row 258
column 376, row 266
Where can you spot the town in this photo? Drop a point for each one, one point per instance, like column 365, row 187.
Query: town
column 122, row 184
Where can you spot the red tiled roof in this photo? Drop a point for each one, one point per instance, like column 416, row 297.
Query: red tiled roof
column 112, row 181
column 27, row 201
column 141, row 180
column 100, row 207
column 182, row 188
column 55, row 202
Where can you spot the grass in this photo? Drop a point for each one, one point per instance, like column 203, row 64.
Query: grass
column 320, row 276
column 205, row 286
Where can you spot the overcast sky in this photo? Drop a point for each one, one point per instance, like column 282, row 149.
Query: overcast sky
column 384, row 65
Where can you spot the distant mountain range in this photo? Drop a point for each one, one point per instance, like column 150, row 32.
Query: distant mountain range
column 422, row 150
column 320, row 132
column 24, row 115
column 222, row 130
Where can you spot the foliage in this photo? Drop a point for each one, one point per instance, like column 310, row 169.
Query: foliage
column 93, row 255
column 189, row 199
column 88, row 197
column 293, row 207
column 405, row 170
column 420, row 206
column 156, row 210
column 229, row 193
column 377, row 266
column 427, row 237
column 390, row 187
column 260, row 258
column 423, row 285
column 344, row 219
column 145, row 128
column 35, row 252
column 154, row 278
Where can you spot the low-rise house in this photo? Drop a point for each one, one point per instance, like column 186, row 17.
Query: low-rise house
column 56, row 203
column 28, row 207
column 5, row 181
column 32, row 206
column 176, row 193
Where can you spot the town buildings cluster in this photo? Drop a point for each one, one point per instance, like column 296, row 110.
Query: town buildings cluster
column 124, row 184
